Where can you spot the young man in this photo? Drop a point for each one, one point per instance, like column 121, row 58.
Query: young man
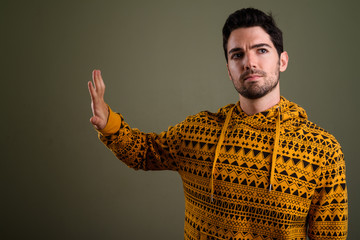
column 257, row 169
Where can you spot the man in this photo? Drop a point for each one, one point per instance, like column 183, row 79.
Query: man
column 257, row 169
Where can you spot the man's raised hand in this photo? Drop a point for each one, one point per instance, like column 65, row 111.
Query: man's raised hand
column 98, row 105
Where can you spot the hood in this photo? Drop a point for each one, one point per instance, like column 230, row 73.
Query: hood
column 290, row 113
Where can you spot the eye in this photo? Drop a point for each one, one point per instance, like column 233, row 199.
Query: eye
column 262, row 50
column 237, row 55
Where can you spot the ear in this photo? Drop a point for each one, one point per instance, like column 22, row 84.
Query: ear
column 284, row 59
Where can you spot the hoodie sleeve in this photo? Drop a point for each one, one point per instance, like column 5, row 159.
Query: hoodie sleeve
column 138, row 150
column 328, row 215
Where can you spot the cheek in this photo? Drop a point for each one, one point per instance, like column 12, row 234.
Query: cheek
column 273, row 69
column 234, row 69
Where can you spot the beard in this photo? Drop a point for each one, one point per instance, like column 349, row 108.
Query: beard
column 255, row 90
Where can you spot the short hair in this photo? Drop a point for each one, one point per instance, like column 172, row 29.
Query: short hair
column 251, row 17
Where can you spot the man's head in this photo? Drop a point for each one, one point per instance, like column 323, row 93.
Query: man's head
column 254, row 62
column 250, row 17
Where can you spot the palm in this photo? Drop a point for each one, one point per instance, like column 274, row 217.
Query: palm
column 98, row 105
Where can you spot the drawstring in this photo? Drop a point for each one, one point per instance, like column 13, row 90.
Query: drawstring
column 276, row 146
column 221, row 140
column 217, row 151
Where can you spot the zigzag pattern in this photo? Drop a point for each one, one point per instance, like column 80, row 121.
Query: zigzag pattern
column 309, row 187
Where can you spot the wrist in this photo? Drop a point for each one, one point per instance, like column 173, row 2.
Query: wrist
column 112, row 124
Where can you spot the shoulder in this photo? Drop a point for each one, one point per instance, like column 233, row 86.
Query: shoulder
column 320, row 136
column 307, row 131
column 207, row 117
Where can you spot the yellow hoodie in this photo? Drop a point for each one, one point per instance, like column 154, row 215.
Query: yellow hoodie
column 272, row 175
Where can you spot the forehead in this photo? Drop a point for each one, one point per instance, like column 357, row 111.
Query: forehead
column 246, row 37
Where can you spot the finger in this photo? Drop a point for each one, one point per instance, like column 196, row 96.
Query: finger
column 96, row 122
column 91, row 90
column 97, row 81
column 93, row 121
column 101, row 81
column 93, row 76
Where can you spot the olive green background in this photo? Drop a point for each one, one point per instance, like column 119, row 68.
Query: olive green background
column 161, row 61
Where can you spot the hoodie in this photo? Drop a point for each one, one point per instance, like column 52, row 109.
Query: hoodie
column 271, row 175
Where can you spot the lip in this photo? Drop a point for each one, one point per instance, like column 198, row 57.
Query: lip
column 252, row 77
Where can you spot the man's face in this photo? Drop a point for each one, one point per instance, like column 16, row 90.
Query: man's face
column 253, row 62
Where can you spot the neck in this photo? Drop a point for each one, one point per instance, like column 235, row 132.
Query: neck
column 253, row 106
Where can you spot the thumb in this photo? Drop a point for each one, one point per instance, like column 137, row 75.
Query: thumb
column 96, row 121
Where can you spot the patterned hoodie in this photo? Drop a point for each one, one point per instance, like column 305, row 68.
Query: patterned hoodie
column 271, row 175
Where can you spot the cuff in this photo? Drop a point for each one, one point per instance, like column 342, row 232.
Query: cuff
column 112, row 125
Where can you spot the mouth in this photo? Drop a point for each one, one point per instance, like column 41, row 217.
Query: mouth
column 252, row 77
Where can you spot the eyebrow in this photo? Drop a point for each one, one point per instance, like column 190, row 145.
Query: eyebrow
column 251, row 47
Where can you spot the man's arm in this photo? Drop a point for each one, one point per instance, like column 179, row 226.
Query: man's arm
column 146, row 151
column 328, row 216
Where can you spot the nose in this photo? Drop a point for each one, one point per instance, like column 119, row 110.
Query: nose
column 249, row 61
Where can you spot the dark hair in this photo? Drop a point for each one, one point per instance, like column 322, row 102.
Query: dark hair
column 251, row 17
